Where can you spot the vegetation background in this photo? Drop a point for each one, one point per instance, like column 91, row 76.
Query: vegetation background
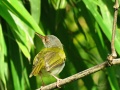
column 83, row 26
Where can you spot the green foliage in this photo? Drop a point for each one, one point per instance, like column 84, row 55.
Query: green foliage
column 83, row 26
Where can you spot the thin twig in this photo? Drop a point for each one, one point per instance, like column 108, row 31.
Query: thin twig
column 113, row 54
column 80, row 75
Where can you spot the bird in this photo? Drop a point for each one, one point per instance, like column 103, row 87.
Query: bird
column 51, row 59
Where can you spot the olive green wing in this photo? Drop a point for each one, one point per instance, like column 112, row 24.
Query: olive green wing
column 38, row 63
column 54, row 57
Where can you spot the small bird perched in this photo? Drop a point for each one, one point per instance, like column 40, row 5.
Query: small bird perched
column 51, row 59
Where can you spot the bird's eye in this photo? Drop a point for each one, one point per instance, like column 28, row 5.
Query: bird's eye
column 46, row 39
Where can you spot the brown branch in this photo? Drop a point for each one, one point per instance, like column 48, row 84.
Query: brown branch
column 113, row 52
column 80, row 75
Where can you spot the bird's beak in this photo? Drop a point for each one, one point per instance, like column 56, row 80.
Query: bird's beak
column 41, row 36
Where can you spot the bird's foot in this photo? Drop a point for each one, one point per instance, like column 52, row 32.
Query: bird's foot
column 58, row 81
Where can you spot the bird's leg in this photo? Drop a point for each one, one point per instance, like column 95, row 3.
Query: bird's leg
column 42, row 81
column 43, row 84
column 58, row 80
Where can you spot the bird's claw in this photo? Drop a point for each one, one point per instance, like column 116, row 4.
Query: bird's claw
column 58, row 81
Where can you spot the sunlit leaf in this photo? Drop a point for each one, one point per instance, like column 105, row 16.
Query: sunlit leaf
column 3, row 64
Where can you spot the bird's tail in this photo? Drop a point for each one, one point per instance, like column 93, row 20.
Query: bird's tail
column 35, row 71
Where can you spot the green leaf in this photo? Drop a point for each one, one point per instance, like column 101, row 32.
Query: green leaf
column 59, row 4
column 36, row 9
column 16, row 81
column 3, row 64
column 103, row 23
column 21, row 35
column 13, row 5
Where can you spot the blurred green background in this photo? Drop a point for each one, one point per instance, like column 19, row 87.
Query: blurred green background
column 83, row 26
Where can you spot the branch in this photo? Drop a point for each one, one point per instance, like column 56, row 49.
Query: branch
column 113, row 54
column 80, row 75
